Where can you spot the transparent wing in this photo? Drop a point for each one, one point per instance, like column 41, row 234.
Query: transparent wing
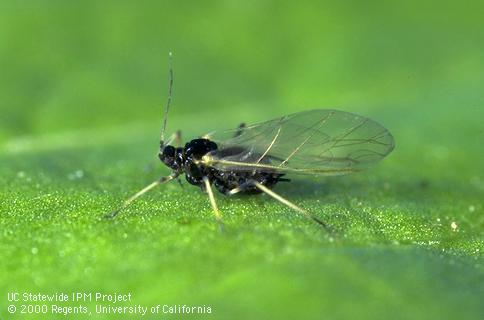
column 323, row 142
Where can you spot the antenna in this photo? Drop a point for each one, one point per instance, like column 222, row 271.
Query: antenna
column 168, row 102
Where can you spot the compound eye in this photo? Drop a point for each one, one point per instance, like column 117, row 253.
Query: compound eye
column 169, row 151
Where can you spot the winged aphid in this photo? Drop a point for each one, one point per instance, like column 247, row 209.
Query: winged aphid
column 253, row 159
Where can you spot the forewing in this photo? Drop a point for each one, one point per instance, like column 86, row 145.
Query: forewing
column 324, row 142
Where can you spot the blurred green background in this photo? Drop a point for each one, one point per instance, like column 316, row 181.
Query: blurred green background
column 82, row 85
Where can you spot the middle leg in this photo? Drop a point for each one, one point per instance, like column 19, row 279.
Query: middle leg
column 208, row 187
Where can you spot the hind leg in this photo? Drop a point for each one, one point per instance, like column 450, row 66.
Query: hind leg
column 290, row 204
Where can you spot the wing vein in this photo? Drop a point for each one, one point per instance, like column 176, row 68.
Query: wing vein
column 322, row 121
column 326, row 142
column 270, row 146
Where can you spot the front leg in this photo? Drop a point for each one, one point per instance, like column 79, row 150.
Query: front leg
column 178, row 138
column 138, row 194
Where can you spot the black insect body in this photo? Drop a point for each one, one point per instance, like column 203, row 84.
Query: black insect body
column 253, row 159
column 188, row 160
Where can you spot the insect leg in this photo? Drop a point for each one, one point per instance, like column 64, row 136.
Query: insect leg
column 239, row 130
column 168, row 102
column 128, row 201
column 208, row 187
column 178, row 138
column 180, row 182
column 240, row 188
column 235, row 191
column 170, row 139
column 289, row 204
column 178, row 143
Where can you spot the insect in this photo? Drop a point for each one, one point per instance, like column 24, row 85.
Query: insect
column 253, row 159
